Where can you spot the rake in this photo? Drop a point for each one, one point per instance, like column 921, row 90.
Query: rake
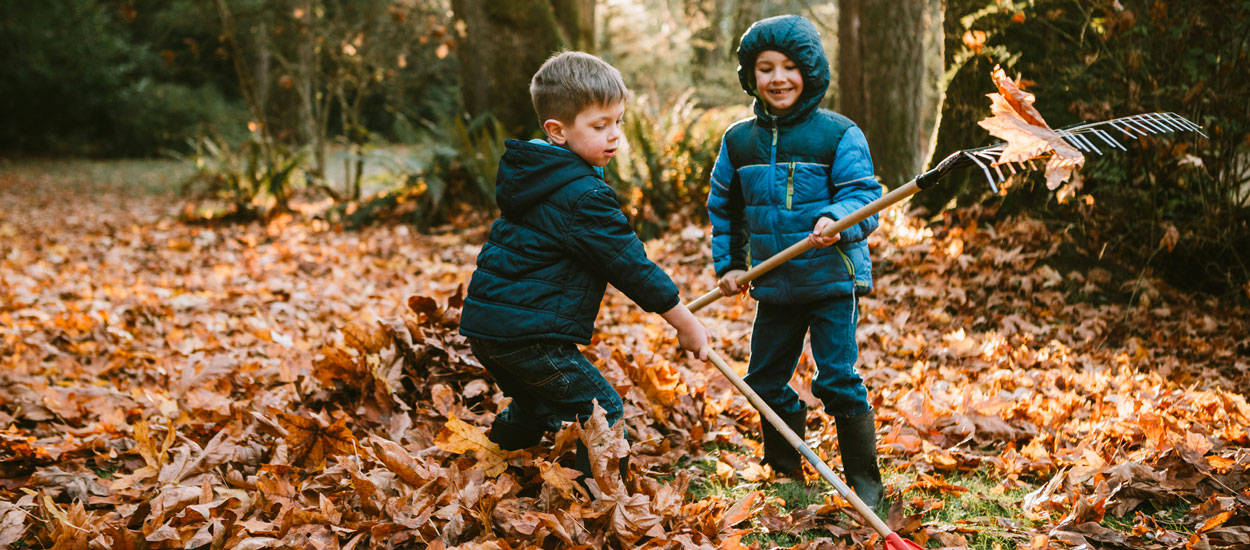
column 1084, row 137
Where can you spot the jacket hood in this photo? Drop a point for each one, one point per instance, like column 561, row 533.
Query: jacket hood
column 798, row 39
column 531, row 170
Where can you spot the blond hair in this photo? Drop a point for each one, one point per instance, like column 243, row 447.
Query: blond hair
column 569, row 82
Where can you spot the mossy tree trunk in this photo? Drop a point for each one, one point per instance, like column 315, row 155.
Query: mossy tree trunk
column 889, row 65
column 505, row 42
column 964, row 103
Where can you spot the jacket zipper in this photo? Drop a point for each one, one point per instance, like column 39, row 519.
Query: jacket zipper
column 790, row 187
column 772, row 158
column 850, row 266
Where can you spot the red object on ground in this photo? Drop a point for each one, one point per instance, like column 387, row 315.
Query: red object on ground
column 895, row 542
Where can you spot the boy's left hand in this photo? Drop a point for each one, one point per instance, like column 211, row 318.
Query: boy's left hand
column 816, row 237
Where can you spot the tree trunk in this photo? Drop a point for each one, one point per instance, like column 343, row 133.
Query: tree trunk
column 504, row 44
column 964, row 103
column 889, row 66
column 576, row 19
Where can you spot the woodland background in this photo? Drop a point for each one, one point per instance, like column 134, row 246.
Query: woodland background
column 234, row 233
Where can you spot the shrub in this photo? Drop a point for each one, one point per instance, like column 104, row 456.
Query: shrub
column 250, row 181
column 663, row 172
column 1105, row 59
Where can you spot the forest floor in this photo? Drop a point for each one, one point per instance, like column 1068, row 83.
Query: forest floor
column 165, row 384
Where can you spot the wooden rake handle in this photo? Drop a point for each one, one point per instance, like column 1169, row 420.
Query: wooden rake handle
column 923, row 181
column 799, row 445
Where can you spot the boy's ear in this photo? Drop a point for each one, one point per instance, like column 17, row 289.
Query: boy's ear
column 555, row 131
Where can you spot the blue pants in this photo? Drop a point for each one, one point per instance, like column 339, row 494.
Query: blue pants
column 777, row 344
column 549, row 382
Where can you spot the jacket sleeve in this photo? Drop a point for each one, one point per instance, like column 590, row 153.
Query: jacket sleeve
column 602, row 240
column 852, row 185
column 726, row 209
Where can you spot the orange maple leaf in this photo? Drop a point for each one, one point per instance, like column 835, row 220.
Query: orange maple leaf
column 1016, row 121
column 459, row 437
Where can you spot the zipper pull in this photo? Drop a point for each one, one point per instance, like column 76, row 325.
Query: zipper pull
column 790, row 187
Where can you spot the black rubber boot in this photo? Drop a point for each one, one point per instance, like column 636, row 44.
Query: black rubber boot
column 857, row 441
column 511, row 437
column 778, row 452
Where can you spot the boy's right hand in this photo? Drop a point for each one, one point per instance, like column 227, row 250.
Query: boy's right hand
column 729, row 283
column 694, row 339
column 691, row 334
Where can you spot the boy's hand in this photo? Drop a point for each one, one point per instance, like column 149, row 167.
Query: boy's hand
column 695, row 339
column 691, row 334
column 817, row 237
column 729, row 283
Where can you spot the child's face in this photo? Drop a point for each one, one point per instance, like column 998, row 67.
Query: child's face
column 778, row 80
column 594, row 135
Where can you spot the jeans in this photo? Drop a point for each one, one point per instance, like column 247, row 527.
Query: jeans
column 777, row 344
column 550, row 383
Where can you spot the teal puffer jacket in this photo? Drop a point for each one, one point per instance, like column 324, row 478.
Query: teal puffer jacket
column 776, row 176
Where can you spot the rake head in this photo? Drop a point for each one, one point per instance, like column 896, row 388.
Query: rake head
column 1084, row 137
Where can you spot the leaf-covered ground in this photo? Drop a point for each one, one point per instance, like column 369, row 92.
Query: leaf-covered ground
column 168, row 385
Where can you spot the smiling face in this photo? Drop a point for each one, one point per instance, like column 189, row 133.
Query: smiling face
column 594, row 135
column 778, row 81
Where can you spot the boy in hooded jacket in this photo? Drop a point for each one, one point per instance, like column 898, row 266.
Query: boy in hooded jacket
column 783, row 175
column 562, row 237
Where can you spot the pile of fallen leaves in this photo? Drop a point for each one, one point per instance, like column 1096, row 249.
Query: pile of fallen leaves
column 165, row 385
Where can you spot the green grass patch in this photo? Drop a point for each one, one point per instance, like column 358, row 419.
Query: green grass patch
column 979, row 508
column 1169, row 516
column 769, row 540
column 798, row 495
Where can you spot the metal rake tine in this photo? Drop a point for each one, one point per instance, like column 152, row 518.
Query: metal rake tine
column 1083, row 143
column 989, row 179
column 1107, row 138
column 1171, row 118
column 1149, row 118
column 1189, row 123
column 1125, row 128
column 1167, row 120
column 1141, row 121
column 1071, row 139
column 991, row 158
column 1089, row 142
column 998, row 171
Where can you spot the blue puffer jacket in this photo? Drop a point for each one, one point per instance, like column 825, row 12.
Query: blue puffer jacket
column 543, row 270
column 776, row 176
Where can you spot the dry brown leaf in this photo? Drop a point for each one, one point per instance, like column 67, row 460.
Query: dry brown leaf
column 312, row 439
column 12, row 524
column 460, row 437
column 632, row 517
column 1016, row 121
column 741, row 510
column 563, row 480
column 366, row 335
column 397, row 460
column 606, row 446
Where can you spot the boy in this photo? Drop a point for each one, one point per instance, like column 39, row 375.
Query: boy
column 541, row 274
column 783, row 175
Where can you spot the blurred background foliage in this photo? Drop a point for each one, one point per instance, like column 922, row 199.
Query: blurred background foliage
column 397, row 109
column 1175, row 203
